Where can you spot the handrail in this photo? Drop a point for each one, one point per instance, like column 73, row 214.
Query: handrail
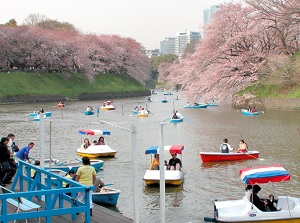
column 57, row 202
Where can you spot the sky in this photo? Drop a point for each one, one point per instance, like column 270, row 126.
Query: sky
column 146, row 21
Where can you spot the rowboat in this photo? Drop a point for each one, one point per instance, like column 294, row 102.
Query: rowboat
column 220, row 157
column 107, row 105
column 106, row 196
column 249, row 113
column 243, row 210
column 172, row 177
column 95, row 151
column 71, row 164
column 196, row 106
column 168, row 93
column 164, row 101
column 89, row 112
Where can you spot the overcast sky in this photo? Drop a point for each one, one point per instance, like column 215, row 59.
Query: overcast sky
column 146, row 21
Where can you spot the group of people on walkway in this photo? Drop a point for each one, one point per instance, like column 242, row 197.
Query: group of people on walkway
column 173, row 164
column 225, row 147
column 9, row 155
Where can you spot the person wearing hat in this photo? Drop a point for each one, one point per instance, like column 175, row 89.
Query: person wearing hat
column 174, row 162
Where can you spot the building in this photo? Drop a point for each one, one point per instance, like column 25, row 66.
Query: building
column 208, row 14
column 167, row 46
column 152, row 53
column 184, row 38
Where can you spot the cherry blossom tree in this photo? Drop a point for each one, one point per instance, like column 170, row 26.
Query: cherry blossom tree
column 235, row 44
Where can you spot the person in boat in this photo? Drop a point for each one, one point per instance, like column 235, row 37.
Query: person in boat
column 264, row 205
column 253, row 110
column 175, row 116
column 98, row 184
column 136, row 108
column 94, row 142
column 225, row 147
column 174, row 163
column 101, row 141
column 243, row 147
column 155, row 163
column 88, row 108
column 249, row 108
column 188, row 104
column 196, row 104
column 149, row 99
column 86, row 143
column 177, row 97
column 71, row 176
column 179, row 115
column 42, row 110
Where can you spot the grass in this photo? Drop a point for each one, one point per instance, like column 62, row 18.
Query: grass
column 283, row 82
column 69, row 85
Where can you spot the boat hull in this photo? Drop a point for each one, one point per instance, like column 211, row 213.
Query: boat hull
column 143, row 115
column 89, row 112
column 107, row 107
column 73, row 165
column 172, row 177
column 177, row 120
column 107, row 196
column 212, row 104
column 196, row 106
column 164, row 101
column 220, row 157
column 248, row 113
column 97, row 151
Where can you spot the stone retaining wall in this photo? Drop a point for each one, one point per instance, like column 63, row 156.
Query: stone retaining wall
column 55, row 98
column 286, row 104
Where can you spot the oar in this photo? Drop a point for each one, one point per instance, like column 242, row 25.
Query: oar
column 253, row 156
column 105, row 185
column 166, row 119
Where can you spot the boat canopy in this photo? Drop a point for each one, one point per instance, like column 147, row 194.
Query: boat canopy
column 264, row 174
column 168, row 149
column 94, row 132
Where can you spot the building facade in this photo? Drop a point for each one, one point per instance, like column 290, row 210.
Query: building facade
column 167, row 46
column 182, row 39
column 208, row 14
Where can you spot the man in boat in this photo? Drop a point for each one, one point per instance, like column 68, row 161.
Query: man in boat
column 179, row 115
column 174, row 162
column 225, row 147
column 261, row 205
column 175, row 116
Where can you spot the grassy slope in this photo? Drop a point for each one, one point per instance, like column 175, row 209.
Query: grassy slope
column 18, row 83
column 279, row 83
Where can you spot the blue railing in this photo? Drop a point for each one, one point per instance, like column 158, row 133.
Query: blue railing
column 56, row 200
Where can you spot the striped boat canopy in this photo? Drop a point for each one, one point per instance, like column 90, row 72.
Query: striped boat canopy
column 94, row 132
column 264, row 174
column 168, row 149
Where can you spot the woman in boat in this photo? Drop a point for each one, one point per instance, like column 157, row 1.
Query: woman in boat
column 155, row 163
column 261, row 205
column 86, row 143
column 243, row 147
column 101, row 141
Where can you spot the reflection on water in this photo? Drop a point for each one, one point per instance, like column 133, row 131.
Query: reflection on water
column 173, row 196
column 274, row 134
